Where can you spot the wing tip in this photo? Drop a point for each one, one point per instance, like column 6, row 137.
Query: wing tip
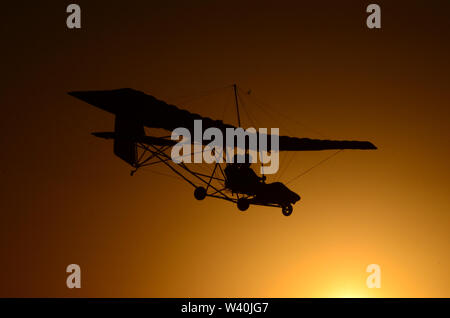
column 76, row 94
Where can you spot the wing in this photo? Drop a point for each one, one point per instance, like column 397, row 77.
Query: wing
column 146, row 110
column 305, row 144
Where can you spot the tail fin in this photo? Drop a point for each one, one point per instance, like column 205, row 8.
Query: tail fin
column 127, row 130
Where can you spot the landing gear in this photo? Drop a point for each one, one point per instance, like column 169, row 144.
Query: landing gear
column 200, row 193
column 243, row 204
column 286, row 209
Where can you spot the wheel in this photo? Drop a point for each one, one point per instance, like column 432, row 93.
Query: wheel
column 243, row 204
column 287, row 210
column 200, row 193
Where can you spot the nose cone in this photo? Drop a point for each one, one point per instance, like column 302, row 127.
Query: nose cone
column 294, row 197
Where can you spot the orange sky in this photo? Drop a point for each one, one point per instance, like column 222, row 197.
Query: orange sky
column 66, row 199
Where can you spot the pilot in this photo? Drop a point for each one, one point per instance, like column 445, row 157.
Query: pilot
column 241, row 177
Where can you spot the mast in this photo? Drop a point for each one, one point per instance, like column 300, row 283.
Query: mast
column 237, row 104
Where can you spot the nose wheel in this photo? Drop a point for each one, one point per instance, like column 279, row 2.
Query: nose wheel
column 286, row 210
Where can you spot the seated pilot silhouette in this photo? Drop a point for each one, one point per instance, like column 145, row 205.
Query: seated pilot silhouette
column 240, row 178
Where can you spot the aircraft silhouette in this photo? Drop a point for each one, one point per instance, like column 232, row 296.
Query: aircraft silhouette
column 135, row 110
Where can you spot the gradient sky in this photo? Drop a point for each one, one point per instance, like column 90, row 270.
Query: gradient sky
column 66, row 199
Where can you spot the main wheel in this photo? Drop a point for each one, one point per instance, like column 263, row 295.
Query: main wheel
column 287, row 210
column 243, row 204
column 200, row 193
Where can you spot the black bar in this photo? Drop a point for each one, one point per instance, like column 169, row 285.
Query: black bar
column 250, row 307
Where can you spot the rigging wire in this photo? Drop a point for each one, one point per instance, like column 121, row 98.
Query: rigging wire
column 315, row 166
column 264, row 106
column 289, row 159
column 271, row 116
